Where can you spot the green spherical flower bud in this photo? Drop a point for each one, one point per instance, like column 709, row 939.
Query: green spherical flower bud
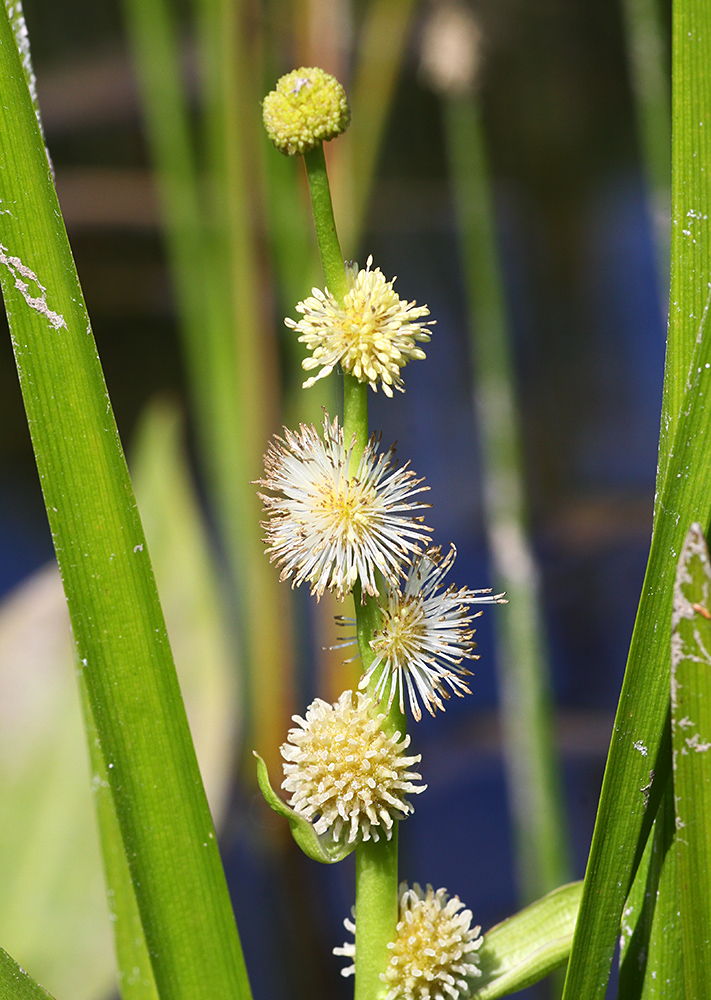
column 308, row 106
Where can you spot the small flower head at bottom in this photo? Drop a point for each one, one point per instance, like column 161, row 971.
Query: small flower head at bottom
column 345, row 774
column 434, row 953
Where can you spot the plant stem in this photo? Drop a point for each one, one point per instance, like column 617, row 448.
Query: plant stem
column 376, row 863
column 334, row 270
column 355, row 417
column 376, row 912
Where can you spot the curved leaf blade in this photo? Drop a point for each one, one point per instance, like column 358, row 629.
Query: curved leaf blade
column 317, row 848
column 529, row 945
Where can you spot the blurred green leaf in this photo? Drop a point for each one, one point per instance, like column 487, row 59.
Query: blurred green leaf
column 691, row 743
column 529, row 945
column 49, row 863
column 191, row 595
column 53, row 915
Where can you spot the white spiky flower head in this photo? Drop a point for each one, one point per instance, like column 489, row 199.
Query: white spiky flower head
column 434, row 954
column 330, row 528
column 424, row 635
column 372, row 335
column 345, row 775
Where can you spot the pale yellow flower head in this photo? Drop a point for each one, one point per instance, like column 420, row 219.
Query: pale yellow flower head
column 344, row 774
column 372, row 336
column 307, row 107
column 434, row 954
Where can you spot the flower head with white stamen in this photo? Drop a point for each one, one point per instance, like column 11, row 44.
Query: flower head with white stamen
column 434, row 954
column 372, row 335
column 330, row 528
column 424, row 635
column 344, row 774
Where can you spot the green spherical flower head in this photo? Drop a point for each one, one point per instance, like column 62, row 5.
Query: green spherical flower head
column 308, row 106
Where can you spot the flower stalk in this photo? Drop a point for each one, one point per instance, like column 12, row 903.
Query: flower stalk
column 339, row 519
column 376, row 863
column 334, row 270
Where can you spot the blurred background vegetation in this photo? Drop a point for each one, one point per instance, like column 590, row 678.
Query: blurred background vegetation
column 575, row 225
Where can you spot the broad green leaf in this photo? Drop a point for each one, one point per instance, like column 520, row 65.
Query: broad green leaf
column 15, row 984
column 117, row 623
column 691, row 743
column 317, row 848
column 683, row 496
column 529, row 945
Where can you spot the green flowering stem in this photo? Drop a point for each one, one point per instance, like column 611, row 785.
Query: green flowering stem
column 376, row 912
column 334, row 270
column 355, row 416
column 376, row 863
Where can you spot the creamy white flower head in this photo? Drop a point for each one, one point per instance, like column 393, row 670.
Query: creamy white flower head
column 434, row 953
column 424, row 636
column 372, row 336
column 328, row 528
column 344, row 774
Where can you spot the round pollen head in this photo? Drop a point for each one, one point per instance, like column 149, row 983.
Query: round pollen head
column 307, row 107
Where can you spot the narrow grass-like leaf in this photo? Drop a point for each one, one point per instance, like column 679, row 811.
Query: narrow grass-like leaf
column 691, row 743
column 16, row 984
column 135, row 977
column 651, row 953
column 116, row 619
column 529, row 945
column 49, row 862
column 683, row 496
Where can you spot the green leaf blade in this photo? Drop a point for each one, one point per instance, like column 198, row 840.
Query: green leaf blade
column 683, row 492
column 691, row 747
column 116, row 618
column 529, row 945
column 16, row 984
